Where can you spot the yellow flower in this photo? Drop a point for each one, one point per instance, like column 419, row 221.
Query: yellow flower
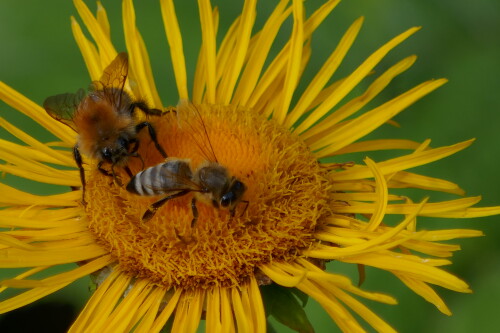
column 308, row 203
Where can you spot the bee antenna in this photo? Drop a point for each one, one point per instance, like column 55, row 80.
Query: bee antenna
column 206, row 133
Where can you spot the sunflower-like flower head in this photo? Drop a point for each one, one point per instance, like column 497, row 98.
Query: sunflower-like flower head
column 300, row 203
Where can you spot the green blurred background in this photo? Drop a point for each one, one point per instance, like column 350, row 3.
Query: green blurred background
column 459, row 41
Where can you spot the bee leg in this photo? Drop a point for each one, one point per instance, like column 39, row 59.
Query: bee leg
column 152, row 134
column 134, row 153
column 78, row 159
column 246, row 202
column 115, row 177
column 102, row 170
column 144, row 108
column 127, row 170
column 156, row 205
column 195, row 212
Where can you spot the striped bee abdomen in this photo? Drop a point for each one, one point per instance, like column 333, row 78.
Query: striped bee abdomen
column 173, row 175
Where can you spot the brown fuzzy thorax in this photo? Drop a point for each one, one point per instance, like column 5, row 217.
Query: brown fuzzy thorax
column 100, row 124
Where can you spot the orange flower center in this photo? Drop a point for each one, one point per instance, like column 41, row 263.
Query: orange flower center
column 287, row 193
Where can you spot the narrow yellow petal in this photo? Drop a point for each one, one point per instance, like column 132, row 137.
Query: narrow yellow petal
column 345, row 321
column 139, row 64
column 209, row 48
column 26, row 274
column 261, row 44
column 35, row 154
column 226, row 311
column 61, row 278
column 381, row 144
column 188, row 311
column 426, row 292
column 274, row 71
column 281, row 277
column 37, row 113
column 293, row 63
column 404, row 179
column 54, row 156
column 102, row 18
column 401, row 264
column 107, row 51
column 239, row 52
column 11, row 258
column 130, row 304
column 350, row 82
column 213, row 316
column 13, row 242
column 372, row 245
column 174, row 38
column 435, row 209
column 352, row 130
column 13, row 197
column 314, row 134
column 102, row 302
column 88, row 51
column 325, row 73
column 241, row 317
column 255, row 298
column 146, row 324
column 363, row 311
column 382, row 195
column 403, row 162
column 167, row 311
column 66, row 178
column 472, row 212
column 28, row 297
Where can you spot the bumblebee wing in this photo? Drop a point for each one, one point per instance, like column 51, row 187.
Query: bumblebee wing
column 62, row 107
column 190, row 117
column 113, row 79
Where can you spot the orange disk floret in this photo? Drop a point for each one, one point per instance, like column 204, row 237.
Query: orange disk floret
column 288, row 194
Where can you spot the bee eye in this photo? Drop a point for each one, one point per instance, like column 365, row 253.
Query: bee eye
column 226, row 199
column 106, row 153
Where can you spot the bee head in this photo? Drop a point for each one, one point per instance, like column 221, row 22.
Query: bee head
column 233, row 194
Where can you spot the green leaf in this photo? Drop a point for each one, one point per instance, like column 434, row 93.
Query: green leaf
column 281, row 303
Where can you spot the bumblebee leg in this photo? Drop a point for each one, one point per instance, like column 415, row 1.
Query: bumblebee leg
column 144, row 108
column 129, row 173
column 156, row 205
column 195, row 212
column 152, row 134
column 246, row 202
column 102, row 170
column 78, row 159
column 115, row 177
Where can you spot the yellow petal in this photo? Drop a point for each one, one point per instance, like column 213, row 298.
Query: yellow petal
column 293, row 63
column 35, row 112
column 238, row 54
column 403, row 162
column 88, row 51
column 174, row 38
column 324, row 74
column 360, row 73
column 139, row 64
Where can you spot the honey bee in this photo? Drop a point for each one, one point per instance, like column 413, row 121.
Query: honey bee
column 104, row 120
column 210, row 182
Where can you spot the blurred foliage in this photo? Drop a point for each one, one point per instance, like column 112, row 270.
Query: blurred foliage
column 459, row 41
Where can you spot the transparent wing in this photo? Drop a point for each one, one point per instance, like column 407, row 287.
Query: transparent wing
column 113, row 79
column 62, row 107
column 190, row 118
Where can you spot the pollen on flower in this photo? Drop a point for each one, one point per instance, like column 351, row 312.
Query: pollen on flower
column 287, row 191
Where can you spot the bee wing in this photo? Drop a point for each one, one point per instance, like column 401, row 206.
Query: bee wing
column 174, row 175
column 196, row 128
column 113, row 79
column 62, row 107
